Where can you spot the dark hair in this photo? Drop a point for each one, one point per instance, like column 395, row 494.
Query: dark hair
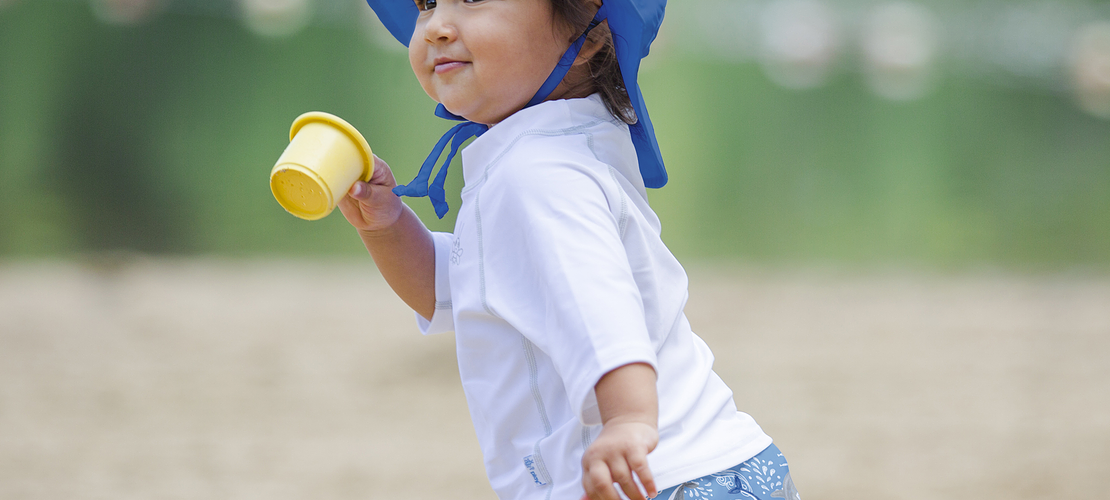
column 604, row 72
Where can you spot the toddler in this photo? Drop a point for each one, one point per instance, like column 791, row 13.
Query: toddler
column 582, row 375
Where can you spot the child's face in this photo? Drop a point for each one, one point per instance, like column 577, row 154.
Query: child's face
column 484, row 59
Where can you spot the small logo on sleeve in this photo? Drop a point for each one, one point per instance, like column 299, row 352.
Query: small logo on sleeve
column 530, row 463
column 456, row 251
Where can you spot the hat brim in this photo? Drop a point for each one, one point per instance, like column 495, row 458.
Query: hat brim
column 398, row 16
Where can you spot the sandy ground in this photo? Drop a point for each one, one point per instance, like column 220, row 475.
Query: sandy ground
column 215, row 379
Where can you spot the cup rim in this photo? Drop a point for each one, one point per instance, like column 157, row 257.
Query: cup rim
column 346, row 128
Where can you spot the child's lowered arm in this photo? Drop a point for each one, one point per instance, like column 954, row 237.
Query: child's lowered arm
column 398, row 241
column 629, row 409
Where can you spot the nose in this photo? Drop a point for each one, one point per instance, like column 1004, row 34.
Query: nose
column 440, row 27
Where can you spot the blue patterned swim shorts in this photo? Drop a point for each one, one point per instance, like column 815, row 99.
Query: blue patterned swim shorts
column 763, row 477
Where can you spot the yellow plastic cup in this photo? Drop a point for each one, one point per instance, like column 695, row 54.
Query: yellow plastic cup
column 325, row 157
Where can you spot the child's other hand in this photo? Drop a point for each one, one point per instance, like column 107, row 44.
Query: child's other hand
column 371, row 206
column 620, row 449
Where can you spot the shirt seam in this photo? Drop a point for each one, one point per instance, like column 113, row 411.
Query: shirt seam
column 481, row 254
column 622, row 221
column 537, row 397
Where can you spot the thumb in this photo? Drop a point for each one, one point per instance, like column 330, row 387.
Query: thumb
column 360, row 191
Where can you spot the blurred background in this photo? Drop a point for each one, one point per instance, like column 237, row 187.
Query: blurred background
column 932, row 133
column 899, row 208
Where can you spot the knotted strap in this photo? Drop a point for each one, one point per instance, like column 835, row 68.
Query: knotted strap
column 460, row 133
column 434, row 191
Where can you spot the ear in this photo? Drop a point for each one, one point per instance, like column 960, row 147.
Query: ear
column 592, row 44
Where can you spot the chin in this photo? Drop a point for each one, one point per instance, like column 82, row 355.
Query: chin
column 457, row 109
column 476, row 114
column 472, row 115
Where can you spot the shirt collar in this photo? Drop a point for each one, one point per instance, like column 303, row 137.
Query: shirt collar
column 557, row 114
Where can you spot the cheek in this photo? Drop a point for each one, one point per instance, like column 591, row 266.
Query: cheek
column 529, row 55
column 417, row 55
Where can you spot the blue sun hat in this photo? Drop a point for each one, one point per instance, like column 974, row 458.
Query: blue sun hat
column 634, row 24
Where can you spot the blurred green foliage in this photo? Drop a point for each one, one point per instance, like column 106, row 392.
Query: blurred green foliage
column 160, row 137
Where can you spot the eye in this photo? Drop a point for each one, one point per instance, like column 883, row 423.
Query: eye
column 425, row 4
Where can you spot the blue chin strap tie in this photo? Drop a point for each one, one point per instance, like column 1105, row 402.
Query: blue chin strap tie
column 434, row 191
column 458, row 134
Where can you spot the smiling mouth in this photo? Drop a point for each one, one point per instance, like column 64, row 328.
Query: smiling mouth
column 447, row 66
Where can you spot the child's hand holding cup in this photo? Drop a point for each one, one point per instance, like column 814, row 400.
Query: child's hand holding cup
column 325, row 157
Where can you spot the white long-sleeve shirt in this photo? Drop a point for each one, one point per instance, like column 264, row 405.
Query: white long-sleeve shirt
column 555, row 275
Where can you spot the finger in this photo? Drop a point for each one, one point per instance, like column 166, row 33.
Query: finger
column 643, row 472
column 359, row 191
column 356, row 206
column 598, row 483
column 382, row 175
column 349, row 204
column 622, row 475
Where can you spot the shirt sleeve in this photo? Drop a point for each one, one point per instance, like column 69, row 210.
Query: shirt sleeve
column 442, row 320
column 558, row 272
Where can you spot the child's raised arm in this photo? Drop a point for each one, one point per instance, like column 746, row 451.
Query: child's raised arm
column 398, row 241
column 629, row 409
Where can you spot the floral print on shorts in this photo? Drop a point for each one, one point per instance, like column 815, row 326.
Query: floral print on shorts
column 765, row 476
